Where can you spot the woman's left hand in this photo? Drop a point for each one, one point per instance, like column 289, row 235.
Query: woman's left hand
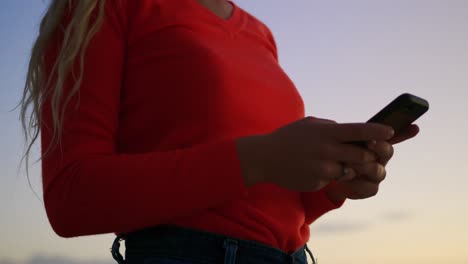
column 369, row 175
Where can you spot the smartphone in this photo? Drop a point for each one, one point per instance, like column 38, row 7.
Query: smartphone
column 400, row 113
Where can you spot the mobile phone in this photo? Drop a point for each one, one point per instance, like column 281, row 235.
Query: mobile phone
column 400, row 113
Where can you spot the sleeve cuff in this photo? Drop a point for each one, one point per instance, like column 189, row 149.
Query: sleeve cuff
column 317, row 204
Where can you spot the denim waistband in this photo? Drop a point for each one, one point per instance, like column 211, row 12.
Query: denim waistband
column 201, row 246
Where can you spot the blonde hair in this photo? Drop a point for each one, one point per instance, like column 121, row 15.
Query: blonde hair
column 77, row 35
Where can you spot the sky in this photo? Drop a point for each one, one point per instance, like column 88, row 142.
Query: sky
column 347, row 59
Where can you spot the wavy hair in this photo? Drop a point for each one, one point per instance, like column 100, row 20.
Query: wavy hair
column 76, row 36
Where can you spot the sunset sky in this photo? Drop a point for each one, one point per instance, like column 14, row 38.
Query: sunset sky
column 348, row 59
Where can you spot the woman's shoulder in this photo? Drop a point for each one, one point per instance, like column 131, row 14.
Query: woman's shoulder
column 255, row 23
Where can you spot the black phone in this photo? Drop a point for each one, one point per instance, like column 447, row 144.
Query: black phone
column 400, row 113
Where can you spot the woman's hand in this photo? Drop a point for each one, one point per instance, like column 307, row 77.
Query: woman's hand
column 306, row 155
column 366, row 177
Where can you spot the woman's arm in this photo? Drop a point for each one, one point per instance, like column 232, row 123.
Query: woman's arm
column 90, row 188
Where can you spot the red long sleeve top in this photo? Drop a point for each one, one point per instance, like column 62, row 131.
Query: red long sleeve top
column 167, row 88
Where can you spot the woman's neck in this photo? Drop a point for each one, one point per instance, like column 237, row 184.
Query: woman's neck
column 221, row 8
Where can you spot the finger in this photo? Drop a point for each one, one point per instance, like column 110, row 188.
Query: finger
column 372, row 171
column 324, row 120
column 382, row 149
column 348, row 153
column 351, row 174
column 331, row 170
column 361, row 188
column 406, row 134
column 350, row 132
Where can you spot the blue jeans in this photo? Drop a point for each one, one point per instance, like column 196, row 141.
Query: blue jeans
column 170, row 244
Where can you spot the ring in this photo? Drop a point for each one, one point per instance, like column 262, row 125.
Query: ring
column 345, row 171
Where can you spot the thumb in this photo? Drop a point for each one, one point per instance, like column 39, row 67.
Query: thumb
column 321, row 120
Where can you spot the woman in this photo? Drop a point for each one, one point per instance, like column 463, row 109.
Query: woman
column 186, row 138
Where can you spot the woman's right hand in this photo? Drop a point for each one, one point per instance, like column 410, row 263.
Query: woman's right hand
column 309, row 153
